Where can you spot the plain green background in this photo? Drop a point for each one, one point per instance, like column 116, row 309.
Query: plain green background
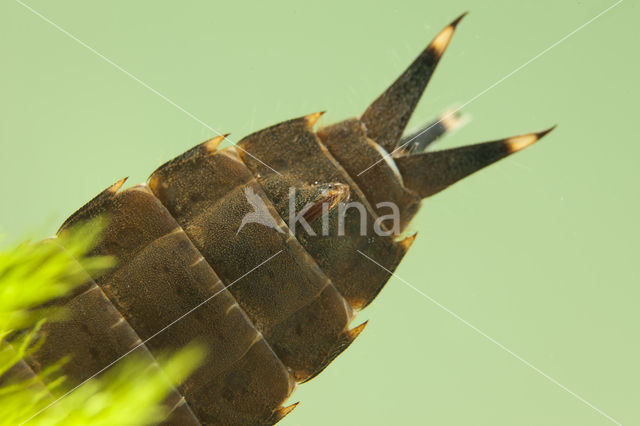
column 539, row 252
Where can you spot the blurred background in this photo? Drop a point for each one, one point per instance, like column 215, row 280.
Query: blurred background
column 538, row 252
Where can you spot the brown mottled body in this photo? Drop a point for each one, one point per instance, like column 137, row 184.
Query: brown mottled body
column 94, row 336
column 295, row 151
column 349, row 144
column 160, row 277
column 289, row 299
column 272, row 304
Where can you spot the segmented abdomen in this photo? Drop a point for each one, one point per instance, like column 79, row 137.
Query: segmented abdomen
column 267, row 326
